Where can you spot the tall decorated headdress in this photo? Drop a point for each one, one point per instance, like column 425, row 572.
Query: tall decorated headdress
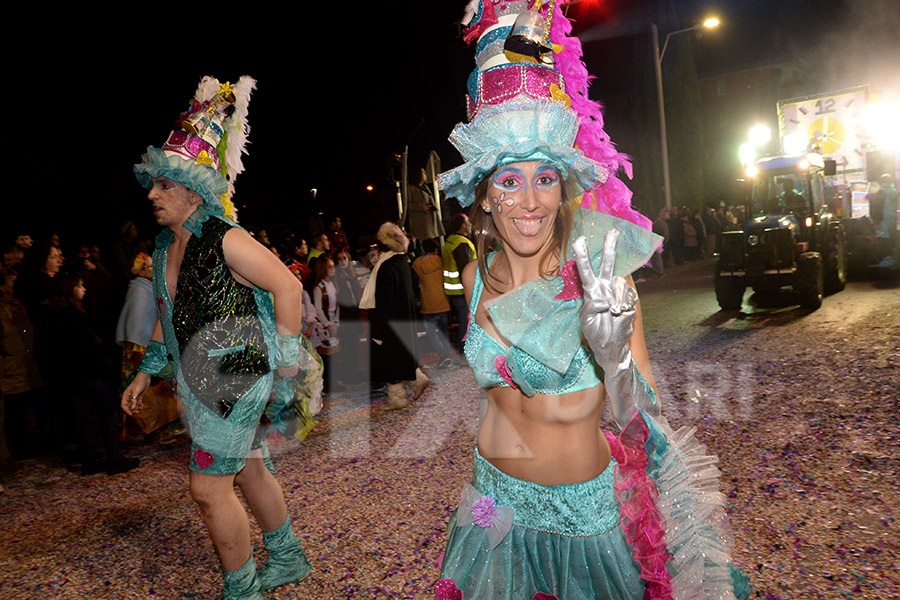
column 528, row 101
column 203, row 152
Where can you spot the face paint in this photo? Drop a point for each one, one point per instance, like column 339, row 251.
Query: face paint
column 545, row 178
column 507, row 179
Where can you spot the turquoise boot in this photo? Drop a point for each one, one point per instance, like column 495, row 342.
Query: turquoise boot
column 286, row 562
column 242, row 584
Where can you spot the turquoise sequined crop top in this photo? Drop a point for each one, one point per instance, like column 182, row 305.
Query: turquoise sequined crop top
column 540, row 319
column 483, row 351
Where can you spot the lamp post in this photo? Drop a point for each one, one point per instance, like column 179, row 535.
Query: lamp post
column 657, row 68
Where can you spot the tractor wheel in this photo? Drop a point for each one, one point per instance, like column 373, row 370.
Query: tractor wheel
column 835, row 267
column 729, row 292
column 808, row 280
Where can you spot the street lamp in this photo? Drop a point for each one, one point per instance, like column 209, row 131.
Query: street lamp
column 657, row 67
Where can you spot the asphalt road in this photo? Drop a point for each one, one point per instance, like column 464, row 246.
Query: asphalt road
column 802, row 409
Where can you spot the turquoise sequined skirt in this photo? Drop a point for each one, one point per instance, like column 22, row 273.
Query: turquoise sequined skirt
column 563, row 540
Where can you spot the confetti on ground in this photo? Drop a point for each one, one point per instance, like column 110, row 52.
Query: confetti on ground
column 804, row 417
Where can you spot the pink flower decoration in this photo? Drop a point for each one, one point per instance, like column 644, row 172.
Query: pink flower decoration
column 203, row 458
column 483, row 512
column 446, row 590
column 543, row 596
column 500, row 365
column 572, row 288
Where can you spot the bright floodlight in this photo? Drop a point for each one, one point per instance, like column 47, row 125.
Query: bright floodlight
column 752, row 171
column 794, row 143
column 760, row 135
column 711, row 22
column 882, row 123
column 747, row 154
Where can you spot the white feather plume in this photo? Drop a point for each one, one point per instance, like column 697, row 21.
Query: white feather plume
column 237, row 128
column 208, row 87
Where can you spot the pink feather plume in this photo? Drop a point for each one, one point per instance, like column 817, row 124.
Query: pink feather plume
column 612, row 197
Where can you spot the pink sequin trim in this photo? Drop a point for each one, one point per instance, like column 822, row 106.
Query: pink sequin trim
column 446, row 590
column 203, row 458
column 190, row 146
column 543, row 596
column 572, row 287
column 637, row 497
column 500, row 365
column 498, row 85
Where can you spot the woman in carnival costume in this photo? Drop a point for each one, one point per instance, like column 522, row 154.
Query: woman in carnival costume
column 229, row 333
column 557, row 508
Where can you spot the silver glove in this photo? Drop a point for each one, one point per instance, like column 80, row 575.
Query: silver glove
column 607, row 321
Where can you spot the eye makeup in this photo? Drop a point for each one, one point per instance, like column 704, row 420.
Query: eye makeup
column 165, row 183
column 509, row 179
column 546, row 177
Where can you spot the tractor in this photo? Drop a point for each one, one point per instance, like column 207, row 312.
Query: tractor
column 790, row 239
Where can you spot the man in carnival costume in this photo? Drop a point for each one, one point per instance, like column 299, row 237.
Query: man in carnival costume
column 555, row 508
column 228, row 331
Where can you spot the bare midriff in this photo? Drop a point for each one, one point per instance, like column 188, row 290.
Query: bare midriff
column 549, row 440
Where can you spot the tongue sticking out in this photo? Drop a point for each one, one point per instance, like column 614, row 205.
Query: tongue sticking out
column 529, row 227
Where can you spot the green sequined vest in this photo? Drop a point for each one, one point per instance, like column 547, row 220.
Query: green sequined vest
column 222, row 348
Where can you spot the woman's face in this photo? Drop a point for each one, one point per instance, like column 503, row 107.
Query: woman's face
column 343, row 259
column 524, row 200
column 302, row 248
column 54, row 261
column 79, row 290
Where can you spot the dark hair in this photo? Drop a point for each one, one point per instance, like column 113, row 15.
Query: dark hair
column 63, row 291
column 429, row 246
column 457, row 222
column 36, row 257
column 486, row 234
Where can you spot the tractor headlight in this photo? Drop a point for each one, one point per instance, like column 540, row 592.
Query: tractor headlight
column 809, row 221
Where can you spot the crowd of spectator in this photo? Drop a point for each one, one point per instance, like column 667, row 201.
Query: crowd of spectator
column 690, row 234
column 74, row 327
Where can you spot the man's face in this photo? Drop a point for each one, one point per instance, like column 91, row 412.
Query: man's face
column 24, row 241
column 325, row 242
column 467, row 226
column 172, row 202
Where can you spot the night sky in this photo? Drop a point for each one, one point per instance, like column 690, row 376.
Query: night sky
column 341, row 86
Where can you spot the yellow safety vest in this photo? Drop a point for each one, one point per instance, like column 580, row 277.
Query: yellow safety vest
column 452, row 280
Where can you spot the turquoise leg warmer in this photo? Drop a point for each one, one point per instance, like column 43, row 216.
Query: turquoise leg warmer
column 242, row 584
column 286, row 562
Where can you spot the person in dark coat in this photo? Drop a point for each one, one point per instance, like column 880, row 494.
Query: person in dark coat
column 390, row 301
column 80, row 369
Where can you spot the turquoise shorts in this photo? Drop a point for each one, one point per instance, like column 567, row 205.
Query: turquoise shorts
column 222, row 446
